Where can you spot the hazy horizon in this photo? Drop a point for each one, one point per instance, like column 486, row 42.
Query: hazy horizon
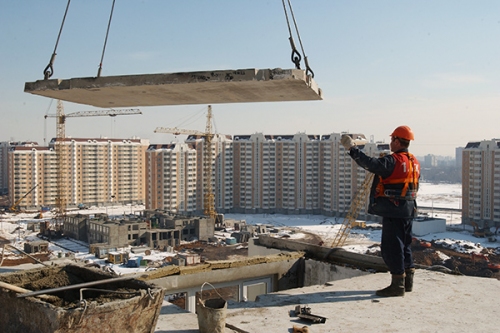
column 431, row 65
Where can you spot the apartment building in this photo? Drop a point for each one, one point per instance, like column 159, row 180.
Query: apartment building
column 175, row 175
column 171, row 181
column 4, row 161
column 222, row 171
column 276, row 173
column 288, row 174
column 32, row 168
column 481, row 183
column 95, row 172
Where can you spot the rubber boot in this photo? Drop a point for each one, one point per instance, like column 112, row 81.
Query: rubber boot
column 397, row 287
column 409, row 273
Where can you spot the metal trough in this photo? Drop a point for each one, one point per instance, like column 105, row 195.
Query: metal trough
column 77, row 301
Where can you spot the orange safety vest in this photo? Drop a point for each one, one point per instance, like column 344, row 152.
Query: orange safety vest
column 403, row 182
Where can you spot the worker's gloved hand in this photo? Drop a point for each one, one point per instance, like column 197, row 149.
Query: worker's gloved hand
column 347, row 141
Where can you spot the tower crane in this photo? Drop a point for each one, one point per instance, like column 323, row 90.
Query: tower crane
column 208, row 197
column 59, row 142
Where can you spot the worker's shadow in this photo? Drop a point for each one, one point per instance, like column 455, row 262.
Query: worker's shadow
column 277, row 299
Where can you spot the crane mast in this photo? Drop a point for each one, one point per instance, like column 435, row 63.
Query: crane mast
column 60, row 135
column 209, row 202
column 208, row 195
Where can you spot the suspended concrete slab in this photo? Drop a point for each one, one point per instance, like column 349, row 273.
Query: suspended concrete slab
column 208, row 87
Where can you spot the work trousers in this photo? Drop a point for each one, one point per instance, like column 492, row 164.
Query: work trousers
column 396, row 244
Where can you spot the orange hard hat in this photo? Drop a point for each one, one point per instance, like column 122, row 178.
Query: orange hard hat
column 403, row 132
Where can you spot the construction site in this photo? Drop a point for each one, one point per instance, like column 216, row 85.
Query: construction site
column 75, row 268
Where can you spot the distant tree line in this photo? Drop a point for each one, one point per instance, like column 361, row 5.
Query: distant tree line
column 439, row 174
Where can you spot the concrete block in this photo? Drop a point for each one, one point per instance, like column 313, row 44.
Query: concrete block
column 424, row 226
column 206, row 87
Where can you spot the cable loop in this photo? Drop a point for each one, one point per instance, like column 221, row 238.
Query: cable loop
column 296, row 56
column 309, row 71
column 49, row 70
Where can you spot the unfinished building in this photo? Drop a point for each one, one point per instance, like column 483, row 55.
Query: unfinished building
column 155, row 229
column 191, row 227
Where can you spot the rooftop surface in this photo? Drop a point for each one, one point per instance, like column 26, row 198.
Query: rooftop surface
column 439, row 303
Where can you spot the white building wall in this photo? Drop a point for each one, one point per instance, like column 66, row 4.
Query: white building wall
column 481, row 183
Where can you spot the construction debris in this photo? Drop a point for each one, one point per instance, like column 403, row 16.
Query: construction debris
column 303, row 329
column 304, row 312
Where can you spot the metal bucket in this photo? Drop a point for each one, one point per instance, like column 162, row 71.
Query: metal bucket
column 211, row 313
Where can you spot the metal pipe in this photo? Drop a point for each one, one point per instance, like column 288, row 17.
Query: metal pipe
column 27, row 255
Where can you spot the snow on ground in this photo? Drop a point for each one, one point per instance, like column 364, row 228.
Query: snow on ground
column 459, row 238
column 441, row 195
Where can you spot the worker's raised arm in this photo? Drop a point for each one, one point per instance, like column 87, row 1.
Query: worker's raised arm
column 383, row 166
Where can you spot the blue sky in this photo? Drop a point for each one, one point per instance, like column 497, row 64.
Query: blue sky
column 432, row 65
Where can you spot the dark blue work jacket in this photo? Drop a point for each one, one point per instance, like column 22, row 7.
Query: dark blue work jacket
column 394, row 207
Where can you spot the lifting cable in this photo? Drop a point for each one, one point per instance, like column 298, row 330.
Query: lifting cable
column 106, row 39
column 296, row 57
column 49, row 70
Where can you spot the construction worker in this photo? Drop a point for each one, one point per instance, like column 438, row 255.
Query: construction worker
column 393, row 197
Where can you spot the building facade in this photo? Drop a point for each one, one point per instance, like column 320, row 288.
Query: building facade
column 176, row 180
column 276, row 173
column 4, row 161
column 32, row 169
column 481, row 183
column 287, row 174
column 171, row 177
column 95, row 172
column 222, row 171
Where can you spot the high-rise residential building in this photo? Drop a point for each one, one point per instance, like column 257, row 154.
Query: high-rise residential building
column 171, row 171
column 458, row 157
column 32, row 172
column 290, row 174
column 222, row 171
column 95, row 172
column 4, row 165
column 430, row 161
column 175, row 175
column 481, row 183
column 276, row 173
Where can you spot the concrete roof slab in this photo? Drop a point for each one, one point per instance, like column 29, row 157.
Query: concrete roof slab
column 206, row 87
column 439, row 302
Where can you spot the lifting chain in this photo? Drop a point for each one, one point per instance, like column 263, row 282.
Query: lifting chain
column 296, row 56
column 49, row 70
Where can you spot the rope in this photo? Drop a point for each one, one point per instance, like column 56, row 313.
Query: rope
column 296, row 57
column 106, row 39
column 49, row 70
column 201, row 290
column 294, row 51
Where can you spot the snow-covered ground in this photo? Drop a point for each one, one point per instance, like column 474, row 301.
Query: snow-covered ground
column 458, row 237
column 440, row 195
column 9, row 229
column 360, row 240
